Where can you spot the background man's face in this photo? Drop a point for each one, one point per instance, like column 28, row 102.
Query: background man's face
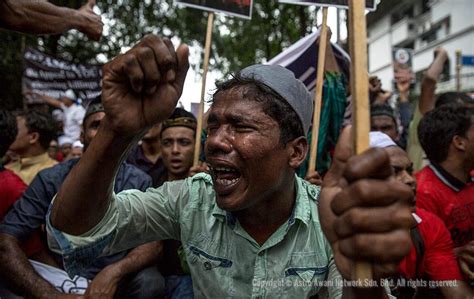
column 177, row 150
column 91, row 126
column 22, row 140
column 247, row 161
column 402, row 166
column 384, row 124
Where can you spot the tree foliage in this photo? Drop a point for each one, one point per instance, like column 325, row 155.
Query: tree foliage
column 235, row 43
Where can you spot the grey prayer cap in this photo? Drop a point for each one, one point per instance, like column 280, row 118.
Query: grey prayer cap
column 284, row 83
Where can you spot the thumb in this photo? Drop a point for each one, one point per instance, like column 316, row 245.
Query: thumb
column 182, row 54
column 344, row 150
column 91, row 3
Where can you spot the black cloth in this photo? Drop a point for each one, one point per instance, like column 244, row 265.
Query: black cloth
column 28, row 213
column 156, row 171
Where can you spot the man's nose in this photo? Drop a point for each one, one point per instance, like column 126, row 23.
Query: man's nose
column 219, row 141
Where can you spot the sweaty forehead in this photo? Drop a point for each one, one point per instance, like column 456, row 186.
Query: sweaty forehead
column 241, row 99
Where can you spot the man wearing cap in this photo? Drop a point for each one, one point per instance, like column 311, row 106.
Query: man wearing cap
column 251, row 228
column 126, row 273
column 73, row 112
column 383, row 119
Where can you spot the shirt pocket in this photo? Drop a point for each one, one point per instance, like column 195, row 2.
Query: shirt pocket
column 210, row 267
column 305, row 273
column 208, row 261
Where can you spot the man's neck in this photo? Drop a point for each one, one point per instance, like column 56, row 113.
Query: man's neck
column 262, row 220
column 456, row 168
column 31, row 152
column 151, row 149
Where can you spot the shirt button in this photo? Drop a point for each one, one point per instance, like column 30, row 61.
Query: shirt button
column 261, row 253
column 207, row 266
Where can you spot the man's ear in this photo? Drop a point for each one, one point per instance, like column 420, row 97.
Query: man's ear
column 81, row 137
column 297, row 149
column 34, row 137
column 459, row 143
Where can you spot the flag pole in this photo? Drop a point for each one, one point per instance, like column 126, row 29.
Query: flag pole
column 360, row 96
column 458, row 70
column 197, row 145
column 319, row 92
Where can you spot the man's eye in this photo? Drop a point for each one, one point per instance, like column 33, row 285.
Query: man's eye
column 185, row 142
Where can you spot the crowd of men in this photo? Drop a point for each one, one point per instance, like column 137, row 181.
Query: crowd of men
column 101, row 199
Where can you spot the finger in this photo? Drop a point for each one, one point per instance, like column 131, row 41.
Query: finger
column 344, row 150
column 465, row 270
column 377, row 248
column 372, row 193
column 373, row 163
column 133, row 71
column 182, row 54
column 374, row 220
column 91, row 4
column 171, row 73
column 164, row 55
column 151, row 72
column 468, row 258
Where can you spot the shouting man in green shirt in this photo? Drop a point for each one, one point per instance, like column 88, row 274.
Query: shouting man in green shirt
column 252, row 227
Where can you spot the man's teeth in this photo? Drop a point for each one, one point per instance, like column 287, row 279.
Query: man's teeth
column 223, row 169
column 226, row 182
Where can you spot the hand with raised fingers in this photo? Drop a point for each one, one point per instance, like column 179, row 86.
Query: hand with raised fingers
column 364, row 212
column 141, row 87
column 91, row 23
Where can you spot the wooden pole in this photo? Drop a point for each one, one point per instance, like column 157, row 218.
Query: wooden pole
column 197, row 145
column 360, row 95
column 458, row 70
column 319, row 92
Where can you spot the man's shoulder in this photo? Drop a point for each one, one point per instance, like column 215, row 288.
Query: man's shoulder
column 59, row 169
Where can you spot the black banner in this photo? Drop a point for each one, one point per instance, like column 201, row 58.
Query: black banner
column 52, row 76
column 238, row 8
column 369, row 4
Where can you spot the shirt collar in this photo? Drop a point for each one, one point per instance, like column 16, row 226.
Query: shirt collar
column 305, row 195
column 448, row 179
column 34, row 160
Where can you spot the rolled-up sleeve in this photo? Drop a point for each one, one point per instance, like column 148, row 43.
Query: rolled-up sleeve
column 133, row 218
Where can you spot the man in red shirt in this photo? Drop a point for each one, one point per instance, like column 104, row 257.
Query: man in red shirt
column 12, row 186
column 431, row 256
column 445, row 186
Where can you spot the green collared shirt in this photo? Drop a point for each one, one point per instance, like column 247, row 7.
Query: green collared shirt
column 224, row 260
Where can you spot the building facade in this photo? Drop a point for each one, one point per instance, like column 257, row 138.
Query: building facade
column 422, row 25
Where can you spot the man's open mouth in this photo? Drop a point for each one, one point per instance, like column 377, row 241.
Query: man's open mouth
column 225, row 179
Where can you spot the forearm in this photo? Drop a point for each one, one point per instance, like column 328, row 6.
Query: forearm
column 427, row 96
column 139, row 258
column 85, row 194
column 428, row 87
column 39, row 17
column 18, row 273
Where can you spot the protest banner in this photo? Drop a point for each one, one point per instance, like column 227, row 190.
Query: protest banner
column 238, row 8
column 369, row 4
column 402, row 60
column 52, row 76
